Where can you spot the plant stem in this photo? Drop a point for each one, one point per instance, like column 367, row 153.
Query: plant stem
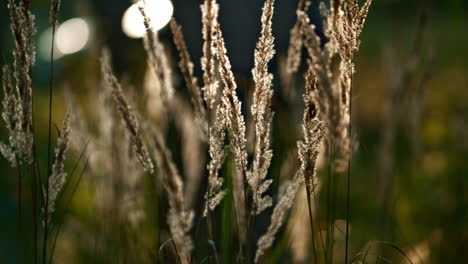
column 347, row 211
column 247, row 219
column 349, row 171
column 208, row 215
column 318, row 222
column 32, row 174
column 19, row 208
column 49, row 145
column 311, row 220
column 333, row 215
column 251, row 229
column 237, row 226
column 67, row 207
column 329, row 248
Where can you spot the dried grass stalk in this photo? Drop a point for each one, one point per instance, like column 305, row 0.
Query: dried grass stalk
column 278, row 216
column 262, row 113
column 10, row 112
column 308, row 150
column 235, row 124
column 127, row 173
column 123, row 169
column 186, row 67
column 215, row 194
column 333, row 65
column 293, row 60
column 209, row 10
column 232, row 105
column 11, row 115
column 81, row 131
column 58, row 175
column 313, row 133
column 9, row 154
column 23, row 29
column 157, row 57
column 126, row 112
column 54, row 11
column 286, row 80
column 180, row 218
column 324, row 65
column 192, row 149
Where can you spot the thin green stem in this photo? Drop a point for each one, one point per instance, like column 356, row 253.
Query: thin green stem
column 251, row 232
column 34, row 210
column 333, row 215
column 331, row 191
column 237, row 226
column 19, row 207
column 311, row 220
column 318, row 222
column 67, row 206
column 49, row 146
column 349, row 172
column 247, row 228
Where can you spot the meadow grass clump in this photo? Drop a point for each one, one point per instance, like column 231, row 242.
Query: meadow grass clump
column 128, row 150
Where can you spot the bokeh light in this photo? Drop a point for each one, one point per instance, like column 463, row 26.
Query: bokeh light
column 159, row 12
column 71, row 36
column 45, row 42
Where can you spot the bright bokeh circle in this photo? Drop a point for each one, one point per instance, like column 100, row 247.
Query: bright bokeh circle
column 159, row 12
column 72, row 35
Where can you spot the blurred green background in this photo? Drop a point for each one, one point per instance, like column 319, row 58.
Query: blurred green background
column 422, row 204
